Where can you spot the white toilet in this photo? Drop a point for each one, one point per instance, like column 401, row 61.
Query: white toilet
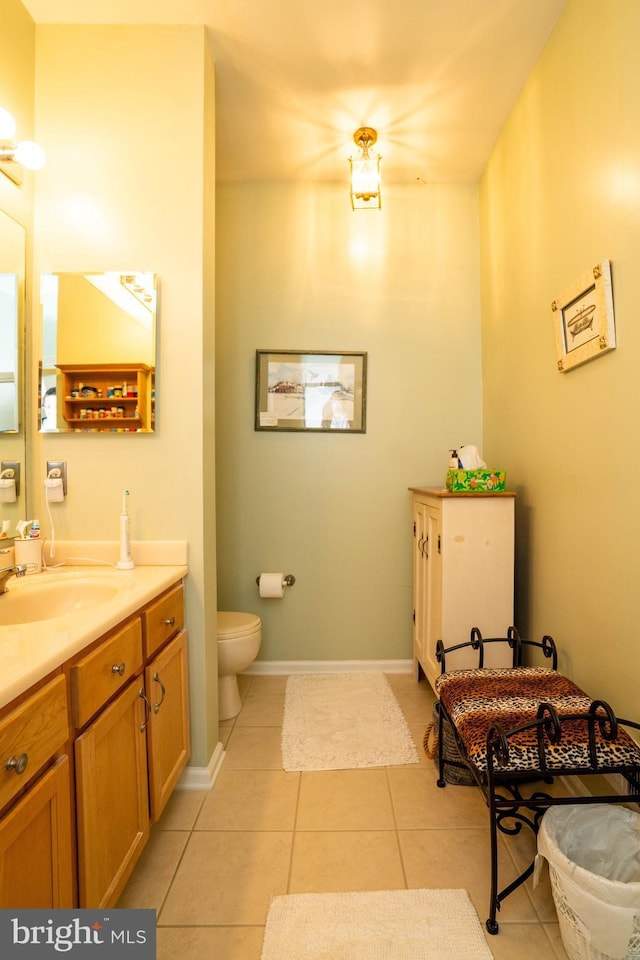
column 239, row 638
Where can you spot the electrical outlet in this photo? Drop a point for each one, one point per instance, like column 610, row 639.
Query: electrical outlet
column 58, row 465
column 15, row 466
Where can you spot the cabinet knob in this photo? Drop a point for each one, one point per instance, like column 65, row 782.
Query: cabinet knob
column 170, row 622
column 118, row 668
column 19, row 764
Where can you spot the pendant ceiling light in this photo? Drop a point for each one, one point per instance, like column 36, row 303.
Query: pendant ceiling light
column 365, row 172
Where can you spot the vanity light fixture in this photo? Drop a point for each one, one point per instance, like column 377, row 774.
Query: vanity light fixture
column 13, row 157
column 365, row 172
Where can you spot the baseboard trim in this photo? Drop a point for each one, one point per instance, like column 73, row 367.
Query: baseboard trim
column 267, row 668
column 202, row 778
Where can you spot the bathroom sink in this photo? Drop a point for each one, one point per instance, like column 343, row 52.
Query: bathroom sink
column 26, row 602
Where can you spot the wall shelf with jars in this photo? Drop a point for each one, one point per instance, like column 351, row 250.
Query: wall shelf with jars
column 102, row 398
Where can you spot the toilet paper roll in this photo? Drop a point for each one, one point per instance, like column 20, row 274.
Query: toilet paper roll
column 272, row 585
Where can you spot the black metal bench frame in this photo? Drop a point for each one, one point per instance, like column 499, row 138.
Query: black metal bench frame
column 510, row 806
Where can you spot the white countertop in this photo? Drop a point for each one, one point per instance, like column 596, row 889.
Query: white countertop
column 30, row 651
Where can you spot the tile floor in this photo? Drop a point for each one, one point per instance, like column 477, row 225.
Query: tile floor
column 215, row 859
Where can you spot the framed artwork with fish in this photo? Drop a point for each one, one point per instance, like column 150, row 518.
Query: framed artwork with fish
column 583, row 319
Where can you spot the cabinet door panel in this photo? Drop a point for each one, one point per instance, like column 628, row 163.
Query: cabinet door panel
column 35, row 845
column 166, row 682
column 112, row 799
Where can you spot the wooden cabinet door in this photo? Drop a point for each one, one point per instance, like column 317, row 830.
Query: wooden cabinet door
column 112, row 798
column 168, row 737
column 36, row 869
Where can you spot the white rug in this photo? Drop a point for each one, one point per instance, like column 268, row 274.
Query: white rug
column 383, row 925
column 340, row 721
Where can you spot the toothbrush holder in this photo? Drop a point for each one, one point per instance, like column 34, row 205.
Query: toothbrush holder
column 29, row 552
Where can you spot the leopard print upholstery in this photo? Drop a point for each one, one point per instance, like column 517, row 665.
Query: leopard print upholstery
column 477, row 699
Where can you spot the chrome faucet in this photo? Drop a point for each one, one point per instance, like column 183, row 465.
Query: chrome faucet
column 19, row 571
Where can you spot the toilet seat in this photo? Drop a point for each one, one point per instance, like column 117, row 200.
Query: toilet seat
column 231, row 624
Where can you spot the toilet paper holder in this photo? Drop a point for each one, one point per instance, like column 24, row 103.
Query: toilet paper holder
column 288, row 580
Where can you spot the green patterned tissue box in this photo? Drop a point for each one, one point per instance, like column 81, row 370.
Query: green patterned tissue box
column 476, row 481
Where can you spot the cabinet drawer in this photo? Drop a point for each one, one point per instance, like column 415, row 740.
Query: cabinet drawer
column 99, row 675
column 163, row 619
column 35, row 730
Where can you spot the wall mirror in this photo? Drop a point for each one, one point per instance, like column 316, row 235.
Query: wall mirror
column 12, row 333
column 97, row 370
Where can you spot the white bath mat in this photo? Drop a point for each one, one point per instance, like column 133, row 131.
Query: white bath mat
column 340, row 721
column 382, row 925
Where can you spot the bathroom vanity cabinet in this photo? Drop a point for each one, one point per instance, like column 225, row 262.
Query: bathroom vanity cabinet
column 463, row 573
column 111, row 735
column 135, row 748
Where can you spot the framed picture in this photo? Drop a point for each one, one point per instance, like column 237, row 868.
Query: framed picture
column 583, row 318
column 312, row 390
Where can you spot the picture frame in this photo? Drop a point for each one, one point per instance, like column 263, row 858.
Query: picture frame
column 583, row 318
column 315, row 391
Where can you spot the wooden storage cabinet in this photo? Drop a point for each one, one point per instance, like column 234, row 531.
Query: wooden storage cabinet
column 36, row 850
column 112, row 798
column 463, row 573
column 168, row 735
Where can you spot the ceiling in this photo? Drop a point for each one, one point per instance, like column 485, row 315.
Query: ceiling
column 295, row 78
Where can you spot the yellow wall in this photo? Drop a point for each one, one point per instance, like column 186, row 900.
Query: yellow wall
column 17, row 71
column 92, row 328
column 560, row 193
column 298, row 269
column 109, row 101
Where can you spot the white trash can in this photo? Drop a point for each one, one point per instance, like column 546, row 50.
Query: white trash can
column 593, row 852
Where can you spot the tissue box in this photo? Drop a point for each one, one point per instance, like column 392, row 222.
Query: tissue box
column 476, row 481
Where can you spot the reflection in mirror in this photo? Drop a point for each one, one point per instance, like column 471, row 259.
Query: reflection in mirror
column 97, row 372
column 11, row 297
column 12, row 439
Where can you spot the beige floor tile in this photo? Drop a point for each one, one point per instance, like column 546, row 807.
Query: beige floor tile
column 228, row 879
column 553, row 932
column 181, row 810
column 271, row 685
column 213, row 943
column 224, row 734
column 325, row 862
column 460, row 858
column 152, row 875
column 345, row 800
column 417, row 734
column 420, row 804
column 522, row 849
column 254, row 748
column 415, row 699
column 251, row 800
column 261, row 710
column 521, row 941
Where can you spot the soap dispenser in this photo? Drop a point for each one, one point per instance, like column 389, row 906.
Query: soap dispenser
column 454, row 462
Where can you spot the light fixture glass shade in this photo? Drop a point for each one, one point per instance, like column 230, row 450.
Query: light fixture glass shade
column 365, row 183
column 30, row 155
column 365, row 172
